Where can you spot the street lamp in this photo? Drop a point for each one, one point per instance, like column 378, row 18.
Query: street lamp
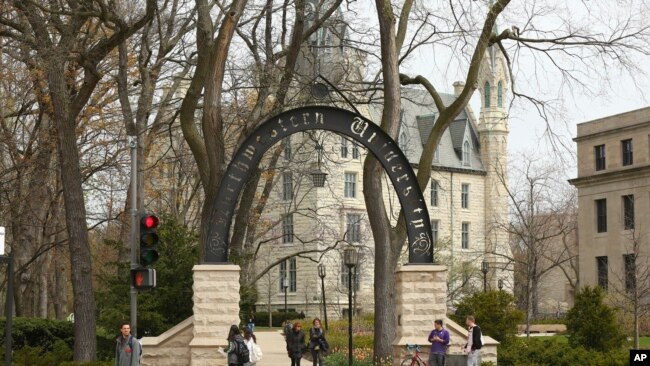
column 318, row 176
column 9, row 301
column 321, row 274
column 485, row 268
column 350, row 258
column 285, row 286
column 500, row 284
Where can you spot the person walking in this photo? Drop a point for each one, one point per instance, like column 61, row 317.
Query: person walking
column 251, row 343
column 474, row 342
column 439, row 339
column 317, row 343
column 296, row 344
column 251, row 322
column 127, row 348
column 235, row 340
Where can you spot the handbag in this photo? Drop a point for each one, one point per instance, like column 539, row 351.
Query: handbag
column 257, row 352
column 324, row 345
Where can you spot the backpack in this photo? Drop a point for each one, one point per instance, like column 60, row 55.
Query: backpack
column 241, row 350
column 130, row 343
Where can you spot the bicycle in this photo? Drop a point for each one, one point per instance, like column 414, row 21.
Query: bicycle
column 415, row 360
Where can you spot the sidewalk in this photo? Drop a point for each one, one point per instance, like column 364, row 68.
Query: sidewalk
column 273, row 347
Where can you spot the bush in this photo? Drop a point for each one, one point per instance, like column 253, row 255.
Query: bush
column 495, row 313
column 262, row 318
column 592, row 324
column 553, row 352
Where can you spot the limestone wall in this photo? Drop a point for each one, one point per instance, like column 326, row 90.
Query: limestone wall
column 170, row 348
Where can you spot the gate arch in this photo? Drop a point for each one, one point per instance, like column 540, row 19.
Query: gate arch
column 342, row 121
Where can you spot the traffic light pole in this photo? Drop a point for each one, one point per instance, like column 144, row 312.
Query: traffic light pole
column 133, row 144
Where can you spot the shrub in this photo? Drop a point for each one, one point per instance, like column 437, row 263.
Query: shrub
column 262, row 318
column 40, row 333
column 494, row 311
column 591, row 323
column 553, row 352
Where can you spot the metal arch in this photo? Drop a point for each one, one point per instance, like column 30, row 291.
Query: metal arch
column 342, row 121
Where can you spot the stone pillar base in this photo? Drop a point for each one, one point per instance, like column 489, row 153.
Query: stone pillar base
column 200, row 339
column 421, row 299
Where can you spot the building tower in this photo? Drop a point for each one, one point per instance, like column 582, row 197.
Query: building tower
column 493, row 81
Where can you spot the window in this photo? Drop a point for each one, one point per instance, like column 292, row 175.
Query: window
column 599, row 152
column 287, row 148
column 601, row 265
column 344, row 147
column 500, row 94
column 293, row 275
column 626, row 147
column 434, row 193
column 601, row 215
column 292, row 279
column 350, row 185
column 630, row 271
column 464, row 196
column 287, row 186
column 464, row 240
column 436, row 155
column 434, row 230
column 628, row 212
column 287, row 229
column 355, row 151
column 353, row 228
column 403, row 141
column 486, row 91
column 466, row 153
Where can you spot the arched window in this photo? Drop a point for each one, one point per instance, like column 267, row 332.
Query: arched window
column 500, row 94
column 466, row 153
column 486, row 93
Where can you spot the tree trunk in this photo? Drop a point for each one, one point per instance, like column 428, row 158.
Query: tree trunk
column 85, row 344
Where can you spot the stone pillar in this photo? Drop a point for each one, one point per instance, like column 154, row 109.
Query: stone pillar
column 421, row 298
column 216, row 308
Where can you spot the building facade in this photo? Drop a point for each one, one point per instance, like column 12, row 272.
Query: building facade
column 308, row 225
column 613, row 198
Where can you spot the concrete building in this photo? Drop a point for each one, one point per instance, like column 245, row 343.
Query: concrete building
column 306, row 225
column 614, row 197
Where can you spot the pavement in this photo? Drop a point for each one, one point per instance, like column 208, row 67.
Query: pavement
column 274, row 348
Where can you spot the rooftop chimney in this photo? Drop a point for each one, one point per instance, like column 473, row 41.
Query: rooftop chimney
column 458, row 87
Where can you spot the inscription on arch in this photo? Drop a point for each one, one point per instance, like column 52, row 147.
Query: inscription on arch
column 333, row 119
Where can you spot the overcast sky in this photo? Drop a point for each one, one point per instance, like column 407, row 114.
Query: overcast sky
column 613, row 92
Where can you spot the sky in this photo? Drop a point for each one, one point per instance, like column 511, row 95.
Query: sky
column 611, row 90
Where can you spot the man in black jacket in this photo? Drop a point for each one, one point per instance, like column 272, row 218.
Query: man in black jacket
column 474, row 342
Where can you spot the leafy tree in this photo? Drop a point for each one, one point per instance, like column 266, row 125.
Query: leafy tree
column 591, row 323
column 495, row 312
column 171, row 301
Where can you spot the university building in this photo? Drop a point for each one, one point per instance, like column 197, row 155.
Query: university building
column 306, row 225
column 613, row 199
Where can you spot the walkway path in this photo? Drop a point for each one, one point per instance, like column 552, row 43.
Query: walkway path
column 273, row 347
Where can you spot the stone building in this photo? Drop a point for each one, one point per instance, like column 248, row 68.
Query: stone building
column 614, row 202
column 306, row 225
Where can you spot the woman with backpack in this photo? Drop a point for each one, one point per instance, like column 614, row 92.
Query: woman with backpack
column 317, row 343
column 237, row 351
column 254, row 350
column 296, row 344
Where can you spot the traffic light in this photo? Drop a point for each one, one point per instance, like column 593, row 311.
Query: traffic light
column 148, row 239
column 143, row 278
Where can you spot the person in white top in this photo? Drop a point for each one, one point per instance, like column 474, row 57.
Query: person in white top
column 253, row 349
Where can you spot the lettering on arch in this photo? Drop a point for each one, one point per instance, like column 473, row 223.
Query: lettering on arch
column 341, row 121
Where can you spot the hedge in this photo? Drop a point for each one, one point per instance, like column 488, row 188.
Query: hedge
column 262, row 318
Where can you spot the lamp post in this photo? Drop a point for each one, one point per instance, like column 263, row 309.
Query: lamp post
column 350, row 257
column 9, row 302
column 318, row 176
column 285, row 286
column 500, row 284
column 321, row 274
column 485, row 268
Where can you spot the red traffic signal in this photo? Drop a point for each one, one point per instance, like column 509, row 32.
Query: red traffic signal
column 143, row 278
column 148, row 239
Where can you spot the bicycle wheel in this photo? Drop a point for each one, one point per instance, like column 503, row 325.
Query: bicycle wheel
column 410, row 362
